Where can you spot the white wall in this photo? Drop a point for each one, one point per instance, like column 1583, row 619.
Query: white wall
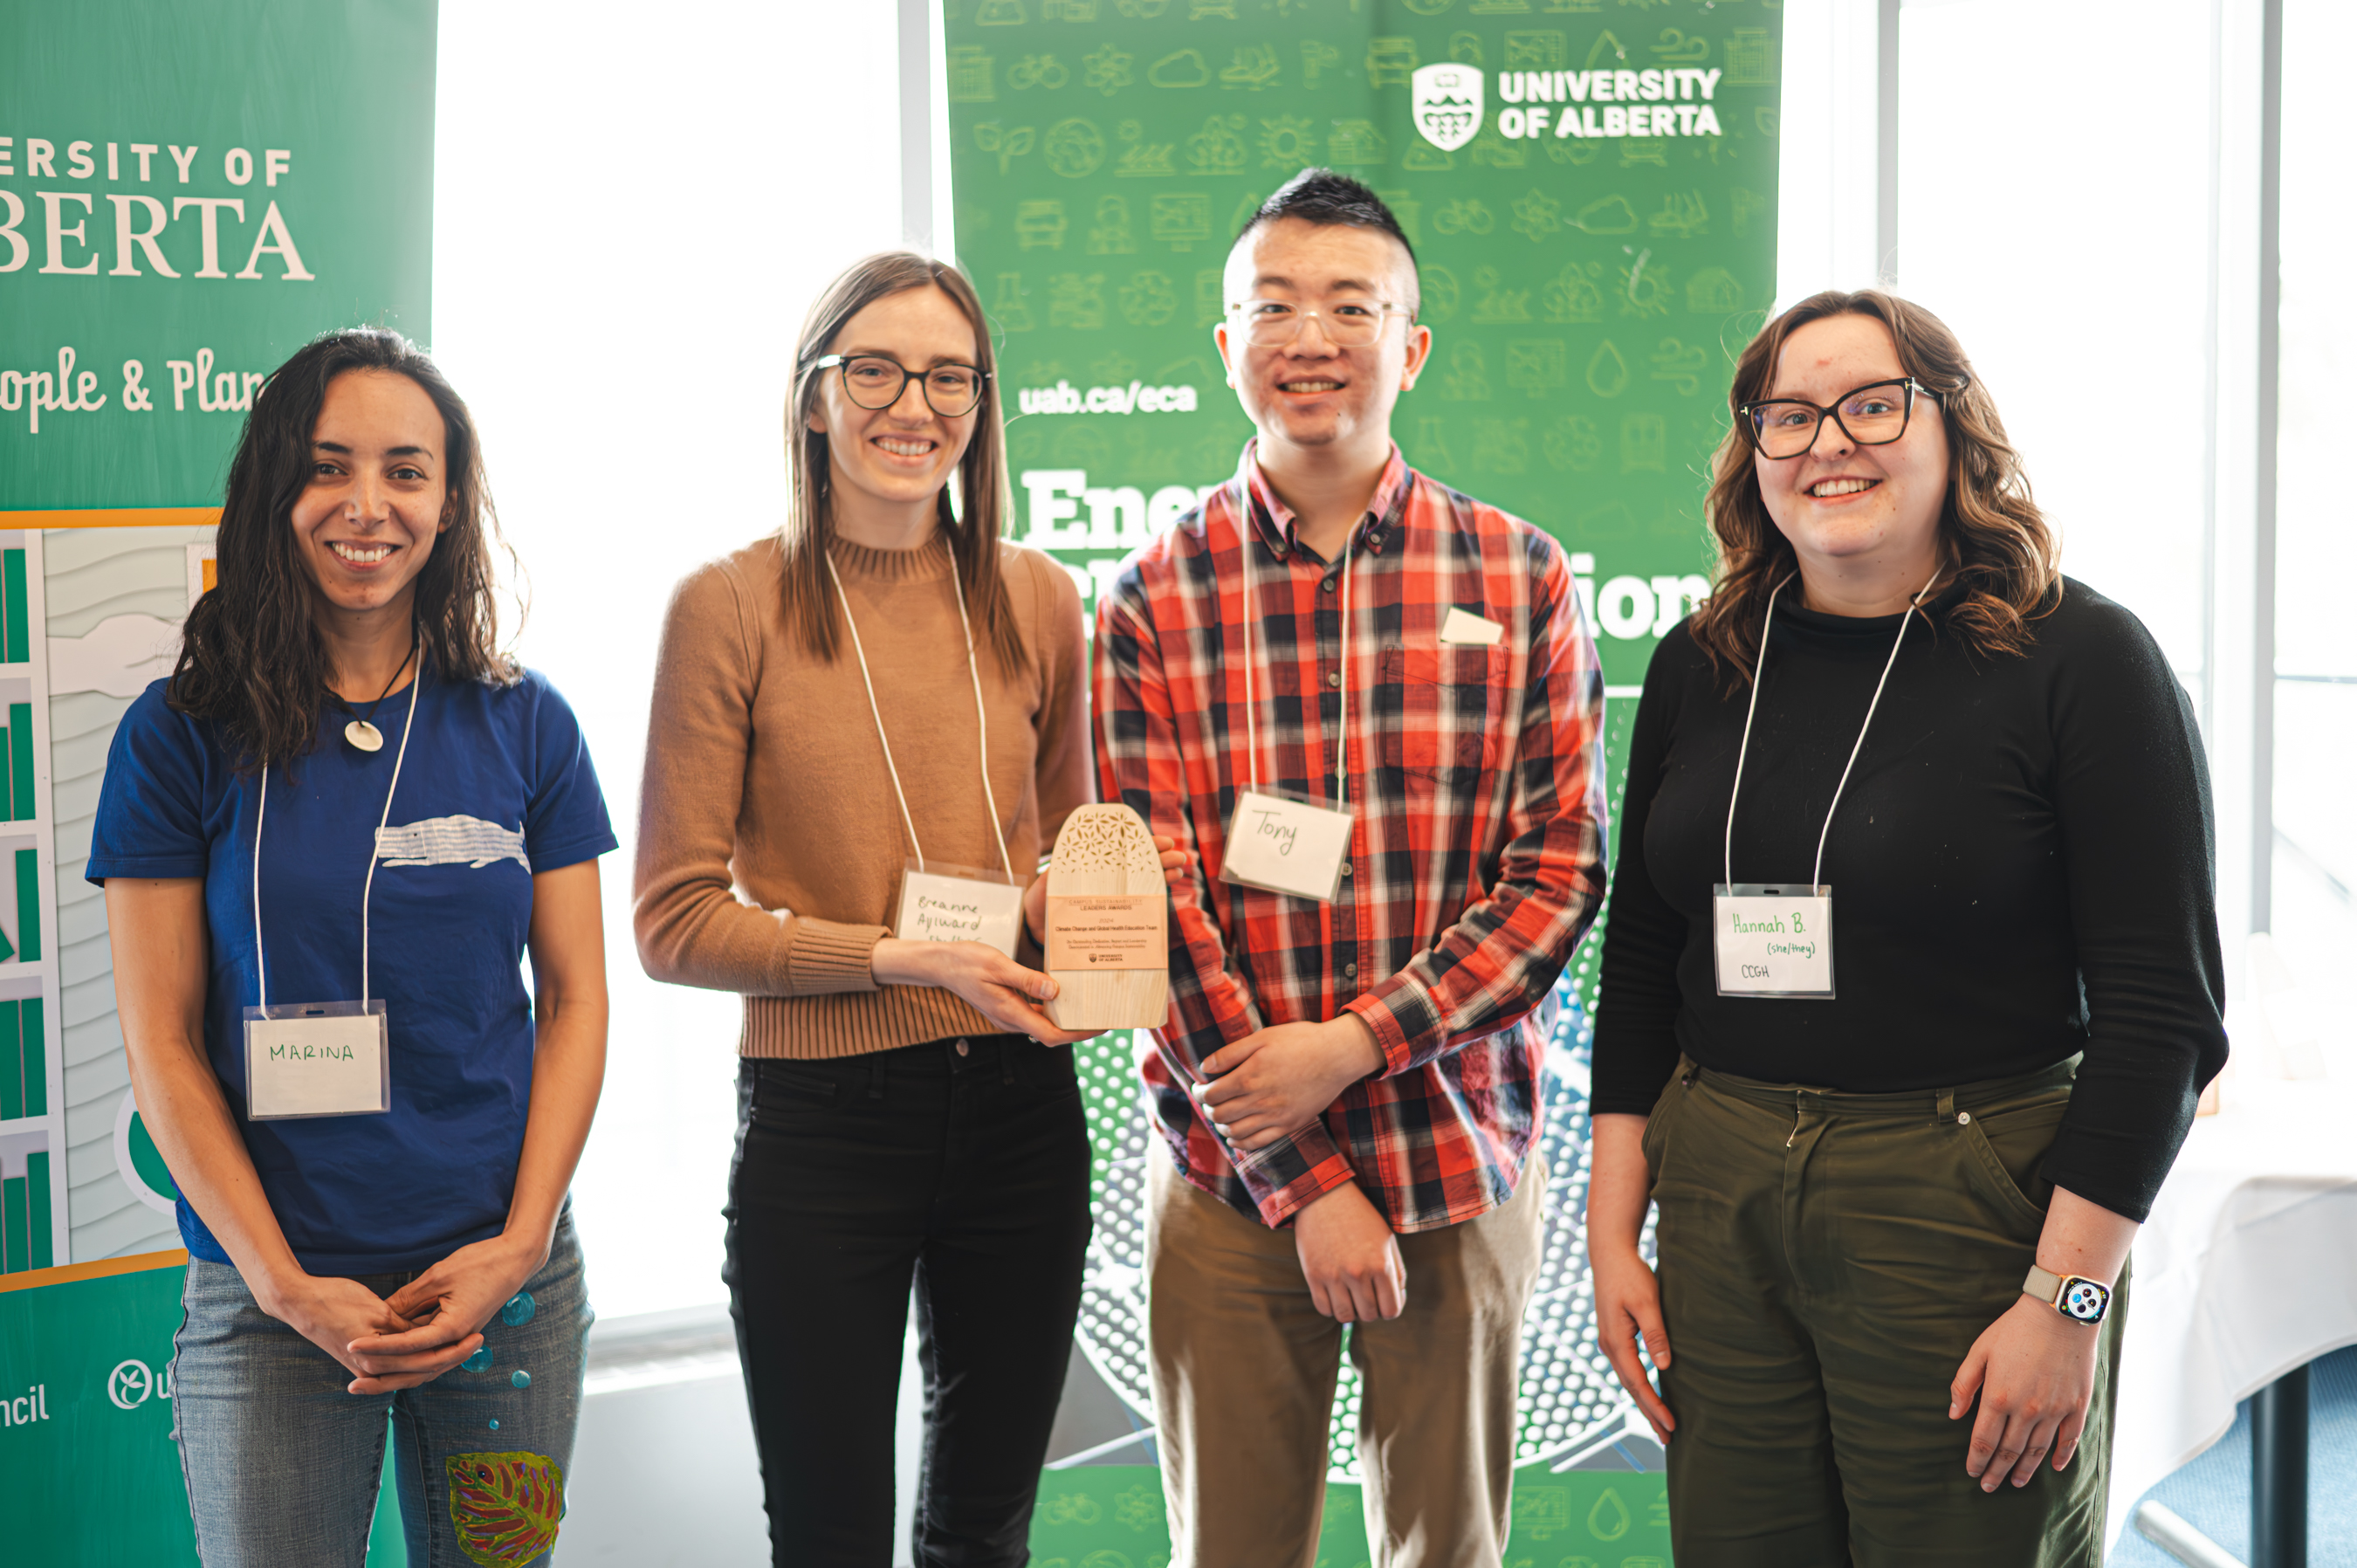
column 633, row 209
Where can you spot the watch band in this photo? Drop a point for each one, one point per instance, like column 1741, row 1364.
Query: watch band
column 2076, row 1297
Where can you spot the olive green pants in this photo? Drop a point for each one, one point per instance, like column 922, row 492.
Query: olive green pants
column 1827, row 1262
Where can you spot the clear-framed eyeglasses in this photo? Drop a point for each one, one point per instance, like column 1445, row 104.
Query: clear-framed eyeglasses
column 1273, row 323
column 1875, row 414
column 873, row 381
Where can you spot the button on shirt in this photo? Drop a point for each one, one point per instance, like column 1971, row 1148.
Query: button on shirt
column 1475, row 863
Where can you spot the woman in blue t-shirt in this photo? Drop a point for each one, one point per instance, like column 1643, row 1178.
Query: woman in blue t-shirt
column 327, row 843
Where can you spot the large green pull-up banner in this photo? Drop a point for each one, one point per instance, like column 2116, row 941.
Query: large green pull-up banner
column 187, row 194
column 1590, row 185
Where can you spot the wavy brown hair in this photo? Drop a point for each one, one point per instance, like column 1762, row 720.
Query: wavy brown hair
column 1992, row 536
column 251, row 657
column 981, row 473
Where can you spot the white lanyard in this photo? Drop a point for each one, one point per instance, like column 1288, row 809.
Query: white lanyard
column 261, row 985
column 1758, row 665
column 1777, row 940
column 982, row 720
column 1252, row 705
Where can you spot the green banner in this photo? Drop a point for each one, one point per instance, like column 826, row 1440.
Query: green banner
column 187, row 193
column 1590, row 185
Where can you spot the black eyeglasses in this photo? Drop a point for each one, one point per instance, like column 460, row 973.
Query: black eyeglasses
column 1875, row 414
column 873, row 382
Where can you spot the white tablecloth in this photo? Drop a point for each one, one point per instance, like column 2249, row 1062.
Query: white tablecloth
column 2246, row 1269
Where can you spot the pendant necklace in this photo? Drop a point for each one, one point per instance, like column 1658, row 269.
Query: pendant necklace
column 362, row 734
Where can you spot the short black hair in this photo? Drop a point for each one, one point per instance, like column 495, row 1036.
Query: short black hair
column 1322, row 196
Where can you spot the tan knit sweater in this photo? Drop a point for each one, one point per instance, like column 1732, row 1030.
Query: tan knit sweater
column 771, row 845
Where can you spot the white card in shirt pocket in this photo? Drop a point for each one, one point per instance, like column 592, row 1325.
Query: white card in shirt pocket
column 1461, row 627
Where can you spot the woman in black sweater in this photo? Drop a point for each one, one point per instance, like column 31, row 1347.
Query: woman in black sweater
column 1904, row 1094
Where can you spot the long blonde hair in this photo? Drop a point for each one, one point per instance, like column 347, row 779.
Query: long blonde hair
column 981, row 486
column 1991, row 533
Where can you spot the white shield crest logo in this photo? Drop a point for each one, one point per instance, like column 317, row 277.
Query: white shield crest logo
column 1448, row 109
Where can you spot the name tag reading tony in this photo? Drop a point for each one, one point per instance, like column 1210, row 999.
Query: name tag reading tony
column 317, row 1059
column 952, row 904
column 1773, row 939
column 1286, row 845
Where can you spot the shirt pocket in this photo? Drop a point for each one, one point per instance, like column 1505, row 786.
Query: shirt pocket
column 1450, row 702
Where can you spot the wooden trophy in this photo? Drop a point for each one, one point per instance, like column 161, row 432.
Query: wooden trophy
column 1108, row 944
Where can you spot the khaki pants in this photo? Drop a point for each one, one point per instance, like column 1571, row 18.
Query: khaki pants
column 1827, row 1262
column 1244, row 1384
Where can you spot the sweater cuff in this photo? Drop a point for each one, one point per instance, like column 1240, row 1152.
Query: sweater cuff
column 826, row 956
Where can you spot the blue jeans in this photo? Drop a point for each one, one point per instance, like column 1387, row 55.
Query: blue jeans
column 281, row 1464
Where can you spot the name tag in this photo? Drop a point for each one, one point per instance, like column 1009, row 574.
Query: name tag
column 954, row 905
column 317, row 1059
column 1286, row 845
column 1773, row 939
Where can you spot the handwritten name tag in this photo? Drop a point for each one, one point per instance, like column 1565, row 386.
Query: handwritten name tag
column 936, row 906
column 1107, row 932
column 1774, row 940
column 1286, row 845
column 317, row 1059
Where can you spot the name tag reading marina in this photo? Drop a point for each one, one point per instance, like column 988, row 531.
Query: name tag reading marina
column 317, row 1059
column 952, row 904
column 1286, row 845
column 1108, row 931
column 1773, row 939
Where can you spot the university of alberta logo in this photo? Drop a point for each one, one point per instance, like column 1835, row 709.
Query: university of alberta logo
column 1448, row 104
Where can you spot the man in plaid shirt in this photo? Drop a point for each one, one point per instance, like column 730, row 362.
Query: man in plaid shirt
column 1361, row 1069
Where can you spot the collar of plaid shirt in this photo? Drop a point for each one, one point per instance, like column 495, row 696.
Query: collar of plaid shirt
column 1477, row 855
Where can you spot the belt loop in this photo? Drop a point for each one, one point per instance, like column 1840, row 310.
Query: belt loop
column 876, row 1076
column 1944, row 1109
column 1006, row 1059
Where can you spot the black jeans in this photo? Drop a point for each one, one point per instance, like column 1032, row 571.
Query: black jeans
column 963, row 1165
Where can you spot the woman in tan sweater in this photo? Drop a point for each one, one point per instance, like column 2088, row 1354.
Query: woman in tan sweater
column 866, row 730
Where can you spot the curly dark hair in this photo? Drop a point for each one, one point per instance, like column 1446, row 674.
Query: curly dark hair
column 1992, row 535
column 251, row 656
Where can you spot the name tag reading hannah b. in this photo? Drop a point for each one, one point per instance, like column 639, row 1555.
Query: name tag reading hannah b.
column 1112, row 931
column 1285, row 844
column 317, row 1059
column 1773, row 939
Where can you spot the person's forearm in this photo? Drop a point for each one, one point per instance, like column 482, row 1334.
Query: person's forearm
column 568, row 1070
column 1619, row 1183
column 187, row 1112
column 2085, row 1239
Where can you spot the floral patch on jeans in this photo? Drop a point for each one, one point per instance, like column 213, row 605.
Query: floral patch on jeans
column 506, row 1506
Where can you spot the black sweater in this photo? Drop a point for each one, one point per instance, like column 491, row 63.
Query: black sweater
column 2020, row 868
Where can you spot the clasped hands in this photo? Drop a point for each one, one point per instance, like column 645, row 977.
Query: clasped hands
column 421, row 1330
column 1281, row 1079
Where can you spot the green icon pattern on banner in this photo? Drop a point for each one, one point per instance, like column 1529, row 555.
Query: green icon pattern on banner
column 1589, row 291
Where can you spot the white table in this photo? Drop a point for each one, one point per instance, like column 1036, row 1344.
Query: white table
column 2246, row 1269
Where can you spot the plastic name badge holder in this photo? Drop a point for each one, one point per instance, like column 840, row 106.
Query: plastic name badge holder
column 1773, row 939
column 943, row 903
column 1282, row 842
column 317, row 1059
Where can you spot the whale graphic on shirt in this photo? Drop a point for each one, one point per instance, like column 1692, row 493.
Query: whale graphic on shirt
column 451, row 840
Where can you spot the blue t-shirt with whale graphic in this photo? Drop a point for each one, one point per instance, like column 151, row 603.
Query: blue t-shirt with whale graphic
column 497, row 785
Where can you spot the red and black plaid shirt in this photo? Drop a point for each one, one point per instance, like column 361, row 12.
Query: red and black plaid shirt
column 1477, row 856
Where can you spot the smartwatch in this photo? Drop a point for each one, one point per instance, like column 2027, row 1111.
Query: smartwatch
column 2080, row 1299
